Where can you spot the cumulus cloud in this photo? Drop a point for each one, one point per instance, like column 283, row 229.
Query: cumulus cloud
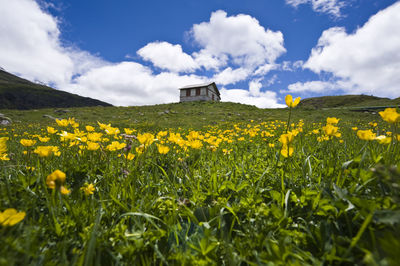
column 240, row 38
column 332, row 7
column 231, row 76
column 253, row 96
column 30, row 45
column 366, row 61
column 312, row 86
column 130, row 83
column 167, row 56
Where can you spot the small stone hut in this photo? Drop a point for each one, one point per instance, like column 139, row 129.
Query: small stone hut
column 200, row 92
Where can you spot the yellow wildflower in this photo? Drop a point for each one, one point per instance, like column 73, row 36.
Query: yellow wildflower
column 332, row 120
column 94, row 136
column 27, row 142
column 382, row 139
column 162, row 149
column 89, row 128
column 45, row 151
column 3, row 149
column 88, row 189
column 129, row 131
column 196, row 144
column 112, row 130
column 146, row 138
column 331, row 130
column 92, row 146
column 103, row 126
column 51, row 130
column 289, row 101
column 56, row 180
column 390, row 115
column 287, row 151
column 140, row 149
column 130, row 156
column 115, row 145
column 366, row 134
column 11, row 217
column 62, row 122
column 44, row 139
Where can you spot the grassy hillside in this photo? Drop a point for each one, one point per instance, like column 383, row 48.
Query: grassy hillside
column 185, row 115
column 346, row 101
column 17, row 93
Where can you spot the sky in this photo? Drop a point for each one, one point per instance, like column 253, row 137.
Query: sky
column 131, row 52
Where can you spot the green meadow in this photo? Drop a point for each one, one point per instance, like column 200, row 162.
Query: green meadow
column 199, row 184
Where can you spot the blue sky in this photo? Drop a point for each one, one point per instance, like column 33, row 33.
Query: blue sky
column 257, row 51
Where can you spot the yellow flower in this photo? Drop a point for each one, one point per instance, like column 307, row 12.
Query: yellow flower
column 146, row 138
column 115, row 145
column 130, row 156
column 226, row 151
column 92, row 146
column 27, row 142
column 112, row 130
column 88, row 189
column 3, row 149
column 196, row 144
column 89, row 128
column 366, row 134
column 129, row 131
column 332, row 120
column 64, row 136
column 51, row 130
column 103, row 126
column 382, row 139
column 287, row 151
column 140, row 149
column 11, row 217
column 44, row 139
column 331, row 130
column 390, row 115
column 162, row 149
column 45, row 151
column 56, row 180
column 94, row 136
column 289, row 101
column 287, row 138
column 62, row 122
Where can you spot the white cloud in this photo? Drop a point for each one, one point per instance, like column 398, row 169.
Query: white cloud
column 264, row 69
column 368, row 60
column 231, row 76
column 332, row 7
column 253, row 96
column 240, row 38
column 167, row 56
column 30, row 45
column 130, row 83
column 312, row 86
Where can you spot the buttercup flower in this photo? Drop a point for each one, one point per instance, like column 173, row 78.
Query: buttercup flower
column 88, row 189
column 390, row 115
column 162, row 149
column 27, row 142
column 11, row 217
column 366, row 134
column 289, row 101
column 56, row 180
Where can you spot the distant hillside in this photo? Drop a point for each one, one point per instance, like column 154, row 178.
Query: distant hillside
column 18, row 93
column 346, row 101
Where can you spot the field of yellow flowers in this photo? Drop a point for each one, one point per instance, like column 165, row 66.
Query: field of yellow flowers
column 280, row 192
